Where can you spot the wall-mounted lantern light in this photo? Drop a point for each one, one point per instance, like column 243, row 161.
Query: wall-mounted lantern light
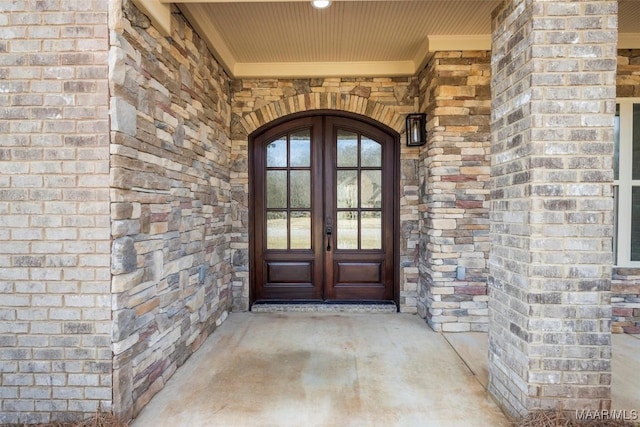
column 416, row 128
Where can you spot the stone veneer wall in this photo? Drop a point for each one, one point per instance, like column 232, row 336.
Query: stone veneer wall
column 256, row 102
column 55, row 317
column 553, row 105
column 170, row 201
column 455, row 169
column 625, row 286
column 628, row 76
column 625, row 300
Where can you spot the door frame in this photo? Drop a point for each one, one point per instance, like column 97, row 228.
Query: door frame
column 395, row 199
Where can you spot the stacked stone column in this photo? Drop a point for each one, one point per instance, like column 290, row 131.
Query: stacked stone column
column 553, row 104
column 170, row 201
column 454, row 174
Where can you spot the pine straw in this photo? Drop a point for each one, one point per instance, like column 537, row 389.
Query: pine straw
column 534, row 419
column 99, row 419
column 560, row 419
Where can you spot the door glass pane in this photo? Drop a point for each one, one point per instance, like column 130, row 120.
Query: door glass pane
column 347, row 149
column 277, row 153
column 277, row 189
column 300, row 149
column 370, row 153
column 635, row 224
column 347, row 233
column 300, row 189
column 300, row 230
column 371, row 230
column 347, row 189
column 636, row 142
column 371, row 183
column 276, row 230
column 616, row 139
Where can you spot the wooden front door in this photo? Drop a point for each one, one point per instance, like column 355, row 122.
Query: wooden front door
column 323, row 203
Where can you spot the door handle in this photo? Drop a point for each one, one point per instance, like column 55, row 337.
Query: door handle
column 329, row 231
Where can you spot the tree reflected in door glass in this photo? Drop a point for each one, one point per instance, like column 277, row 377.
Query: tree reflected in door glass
column 371, row 182
column 300, row 149
column 300, row 189
column 347, row 189
column 347, row 236
column 347, row 149
column 371, row 230
column 300, row 230
column 277, row 189
column 277, row 230
column 277, row 153
column 370, row 153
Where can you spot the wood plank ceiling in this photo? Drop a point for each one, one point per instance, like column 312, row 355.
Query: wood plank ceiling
column 290, row 38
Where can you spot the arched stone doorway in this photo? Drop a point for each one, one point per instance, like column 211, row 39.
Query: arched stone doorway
column 389, row 116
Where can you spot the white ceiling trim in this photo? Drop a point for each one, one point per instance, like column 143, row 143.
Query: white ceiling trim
column 323, row 69
column 434, row 44
column 628, row 41
column 159, row 13
column 423, row 55
column 198, row 18
column 459, row 42
column 431, row 45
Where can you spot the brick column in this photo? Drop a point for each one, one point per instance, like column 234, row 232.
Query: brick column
column 553, row 102
column 55, row 307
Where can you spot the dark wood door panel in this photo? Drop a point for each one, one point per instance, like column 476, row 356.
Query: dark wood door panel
column 290, row 281
column 289, row 272
column 285, row 276
column 358, row 272
column 367, row 281
column 351, row 176
column 272, row 292
column 359, row 268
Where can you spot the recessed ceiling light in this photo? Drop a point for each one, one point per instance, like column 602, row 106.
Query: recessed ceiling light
column 321, row 4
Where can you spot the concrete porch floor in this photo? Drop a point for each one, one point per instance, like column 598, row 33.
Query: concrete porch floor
column 625, row 385
column 328, row 369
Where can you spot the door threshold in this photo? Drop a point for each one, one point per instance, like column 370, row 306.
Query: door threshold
column 324, row 307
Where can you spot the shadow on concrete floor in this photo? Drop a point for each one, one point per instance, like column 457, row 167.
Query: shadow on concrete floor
column 321, row 369
column 337, row 369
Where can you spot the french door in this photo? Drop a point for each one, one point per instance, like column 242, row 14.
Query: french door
column 323, row 224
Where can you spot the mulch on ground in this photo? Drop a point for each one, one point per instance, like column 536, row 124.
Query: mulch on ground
column 535, row 419
column 560, row 419
column 100, row 419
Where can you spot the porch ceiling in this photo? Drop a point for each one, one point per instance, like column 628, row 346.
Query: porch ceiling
column 289, row 38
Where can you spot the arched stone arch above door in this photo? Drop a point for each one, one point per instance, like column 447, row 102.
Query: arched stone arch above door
column 385, row 114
